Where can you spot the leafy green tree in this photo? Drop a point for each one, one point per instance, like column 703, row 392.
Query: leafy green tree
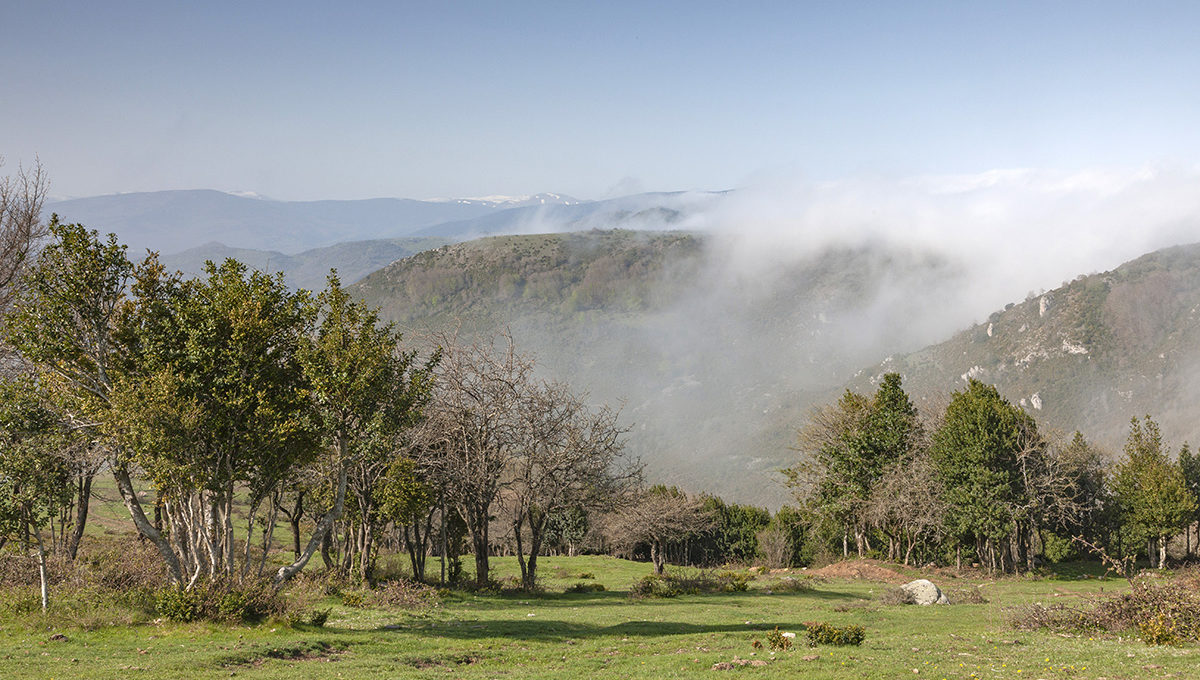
column 1189, row 465
column 733, row 536
column 367, row 394
column 567, row 529
column 408, row 501
column 978, row 454
column 1152, row 493
column 67, row 321
column 35, row 475
column 849, row 447
column 217, row 402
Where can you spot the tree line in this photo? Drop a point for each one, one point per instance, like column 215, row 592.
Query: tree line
column 229, row 407
column 979, row 481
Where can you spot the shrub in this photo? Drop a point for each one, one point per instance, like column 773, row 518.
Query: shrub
column 673, row 585
column 828, row 634
column 219, row 601
column 895, row 596
column 406, row 595
column 778, row 641
column 354, row 598
column 967, row 596
column 1161, row 613
column 653, row 585
column 585, row 588
column 179, row 604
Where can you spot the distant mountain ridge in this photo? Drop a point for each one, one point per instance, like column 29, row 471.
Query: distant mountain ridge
column 309, row 269
column 173, row 221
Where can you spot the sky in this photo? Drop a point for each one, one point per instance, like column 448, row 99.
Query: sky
column 305, row 100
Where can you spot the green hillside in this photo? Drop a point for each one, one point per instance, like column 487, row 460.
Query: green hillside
column 715, row 358
column 1089, row 355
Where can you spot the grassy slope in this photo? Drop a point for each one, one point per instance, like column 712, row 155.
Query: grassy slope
column 1096, row 352
column 608, row 635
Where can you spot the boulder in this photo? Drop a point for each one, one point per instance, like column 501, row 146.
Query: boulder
column 924, row 592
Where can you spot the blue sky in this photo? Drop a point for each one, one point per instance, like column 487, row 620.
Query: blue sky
column 311, row 100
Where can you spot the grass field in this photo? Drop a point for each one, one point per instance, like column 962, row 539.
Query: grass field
column 607, row 634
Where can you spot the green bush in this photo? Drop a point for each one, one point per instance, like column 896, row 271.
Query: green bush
column 231, row 603
column 653, row 585
column 585, row 588
column 1056, row 549
column 178, row 604
column 354, row 598
column 828, row 634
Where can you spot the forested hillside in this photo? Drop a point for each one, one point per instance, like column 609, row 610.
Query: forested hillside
column 716, row 358
column 1090, row 355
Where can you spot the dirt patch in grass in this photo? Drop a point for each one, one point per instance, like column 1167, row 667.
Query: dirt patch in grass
column 424, row 662
column 868, row 570
column 311, row 651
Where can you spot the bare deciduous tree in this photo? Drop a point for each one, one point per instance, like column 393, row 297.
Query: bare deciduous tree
column 570, row 457
column 658, row 516
column 471, row 433
column 21, row 226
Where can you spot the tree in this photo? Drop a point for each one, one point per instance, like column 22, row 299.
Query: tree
column 979, row 452
column 569, row 457
column 567, row 529
column 21, row 227
column 659, row 516
column 1189, row 465
column 215, row 401
column 407, row 500
column 1152, row 493
column 849, row 447
column 367, row 394
column 907, row 504
column 35, row 475
column 472, row 431
column 66, row 320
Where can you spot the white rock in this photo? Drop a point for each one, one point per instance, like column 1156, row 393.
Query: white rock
column 924, row 592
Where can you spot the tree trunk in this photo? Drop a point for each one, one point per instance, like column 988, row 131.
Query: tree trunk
column 129, row 498
column 294, row 520
column 320, row 531
column 81, row 514
column 37, row 532
column 1162, row 551
column 479, row 542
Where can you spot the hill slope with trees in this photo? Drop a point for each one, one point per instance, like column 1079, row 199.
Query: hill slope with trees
column 1089, row 355
column 716, row 357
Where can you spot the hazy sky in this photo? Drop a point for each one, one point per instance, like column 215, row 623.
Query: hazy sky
column 303, row 100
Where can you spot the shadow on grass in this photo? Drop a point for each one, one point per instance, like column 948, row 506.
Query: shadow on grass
column 551, row 630
column 621, row 598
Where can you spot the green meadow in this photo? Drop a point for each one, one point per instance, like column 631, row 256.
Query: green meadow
column 607, row 634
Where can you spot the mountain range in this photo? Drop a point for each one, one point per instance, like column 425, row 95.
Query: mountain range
column 170, row 222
